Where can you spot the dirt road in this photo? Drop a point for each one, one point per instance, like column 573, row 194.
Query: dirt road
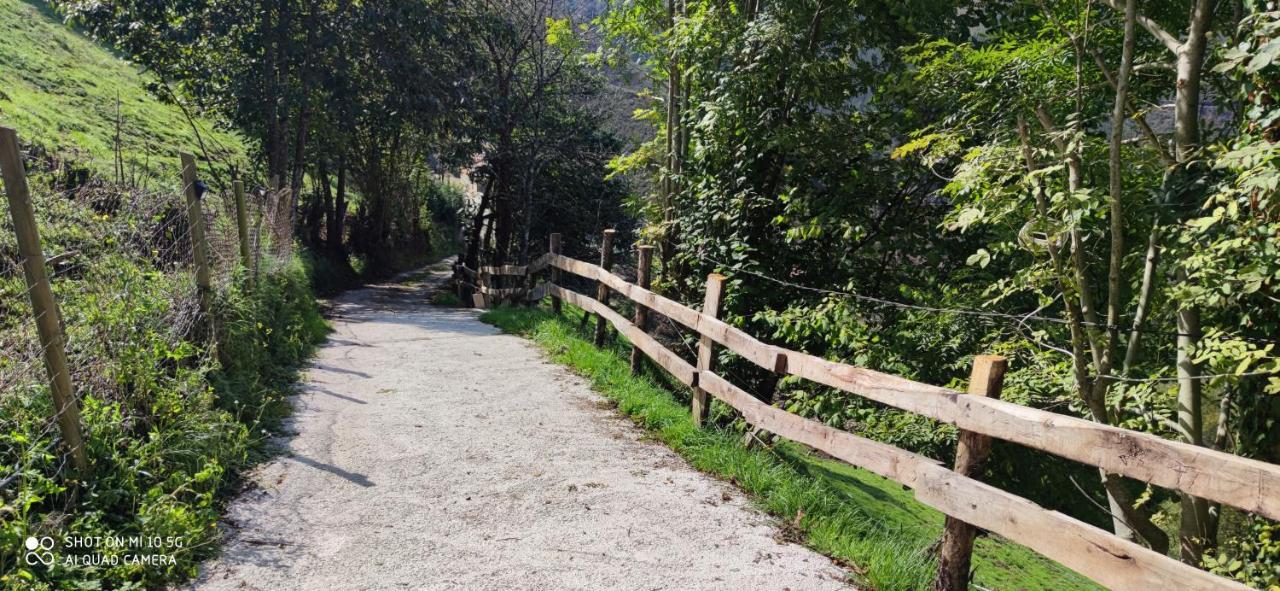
column 433, row 452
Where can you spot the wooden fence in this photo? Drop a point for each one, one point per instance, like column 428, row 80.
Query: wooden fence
column 1112, row 561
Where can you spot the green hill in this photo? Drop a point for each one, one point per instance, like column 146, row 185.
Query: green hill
column 59, row 89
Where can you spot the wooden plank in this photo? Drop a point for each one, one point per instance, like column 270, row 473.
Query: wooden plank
column 1240, row 482
column 504, row 269
column 537, row 293
column 1090, row 551
column 679, row 368
column 767, row 356
column 502, row 292
column 538, row 264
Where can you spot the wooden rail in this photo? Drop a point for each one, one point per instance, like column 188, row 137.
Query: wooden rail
column 485, row 295
column 1112, row 561
column 1240, row 482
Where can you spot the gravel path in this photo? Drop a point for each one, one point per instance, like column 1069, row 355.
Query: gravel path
column 433, row 452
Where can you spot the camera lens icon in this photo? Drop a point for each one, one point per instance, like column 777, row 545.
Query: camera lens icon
column 39, row 551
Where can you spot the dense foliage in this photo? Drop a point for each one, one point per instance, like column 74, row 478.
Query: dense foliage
column 168, row 419
column 1086, row 188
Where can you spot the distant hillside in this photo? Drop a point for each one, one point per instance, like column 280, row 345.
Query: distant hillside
column 59, row 89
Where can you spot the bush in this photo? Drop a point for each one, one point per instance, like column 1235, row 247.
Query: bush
column 168, row 424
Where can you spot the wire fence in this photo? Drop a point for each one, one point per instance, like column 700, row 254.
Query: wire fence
column 120, row 261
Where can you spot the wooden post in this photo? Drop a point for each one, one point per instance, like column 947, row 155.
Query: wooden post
column 554, row 248
column 195, row 216
column 706, row 346
column 257, row 233
column 66, row 411
column 643, row 263
column 602, row 290
column 242, row 227
column 480, row 299
column 460, row 279
column 971, row 451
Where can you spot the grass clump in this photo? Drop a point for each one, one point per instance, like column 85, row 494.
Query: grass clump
column 868, row 523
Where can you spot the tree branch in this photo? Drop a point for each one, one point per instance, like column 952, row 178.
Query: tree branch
column 1172, row 43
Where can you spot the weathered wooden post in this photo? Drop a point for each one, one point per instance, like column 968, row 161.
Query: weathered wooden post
column 242, row 227
column 706, row 346
column 480, row 299
column 643, row 263
column 554, row 249
column 66, row 411
column 602, row 290
column 971, row 451
column 200, row 252
column 460, row 281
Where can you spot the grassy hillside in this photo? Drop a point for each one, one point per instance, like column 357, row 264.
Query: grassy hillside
column 58, row 88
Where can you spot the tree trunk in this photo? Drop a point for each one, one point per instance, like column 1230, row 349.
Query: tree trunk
column 472, row 257
column 1193, row 531
column 337, row 224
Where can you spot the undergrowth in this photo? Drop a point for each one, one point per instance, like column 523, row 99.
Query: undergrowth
column 869, row 524
column 168, row 421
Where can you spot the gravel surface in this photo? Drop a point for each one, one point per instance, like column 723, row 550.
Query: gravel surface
column 432, row 452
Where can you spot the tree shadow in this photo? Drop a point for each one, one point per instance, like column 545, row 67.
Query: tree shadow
column 353, row 477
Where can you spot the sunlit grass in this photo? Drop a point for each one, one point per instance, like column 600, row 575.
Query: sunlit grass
column 871, row 525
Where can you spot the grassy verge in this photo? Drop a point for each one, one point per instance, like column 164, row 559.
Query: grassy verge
column 868, row 523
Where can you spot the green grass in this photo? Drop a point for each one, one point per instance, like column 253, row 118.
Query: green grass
column 59, row 89
column 870, row 524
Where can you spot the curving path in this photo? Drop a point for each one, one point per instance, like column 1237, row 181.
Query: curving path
column 433, row 452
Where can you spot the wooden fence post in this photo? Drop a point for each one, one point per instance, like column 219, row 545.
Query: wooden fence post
column 242, row 227
column 971, row 451
column 480, row 299
column 200, row 252
column 66, row 411
column 706, row 346
column 554, row 248
column 602, row 290
column 643, row 264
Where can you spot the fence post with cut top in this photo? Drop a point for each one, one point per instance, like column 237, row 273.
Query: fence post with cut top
column 66, row 410
column 643, row 263
column 602, row 290
column 706, row 346
column 242, row 228
column 199, row 248
column 554, row 249
column 972, row 450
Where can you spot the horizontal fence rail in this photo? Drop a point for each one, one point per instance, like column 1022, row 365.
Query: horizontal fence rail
column 1244, row 483
column 1229, row 479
